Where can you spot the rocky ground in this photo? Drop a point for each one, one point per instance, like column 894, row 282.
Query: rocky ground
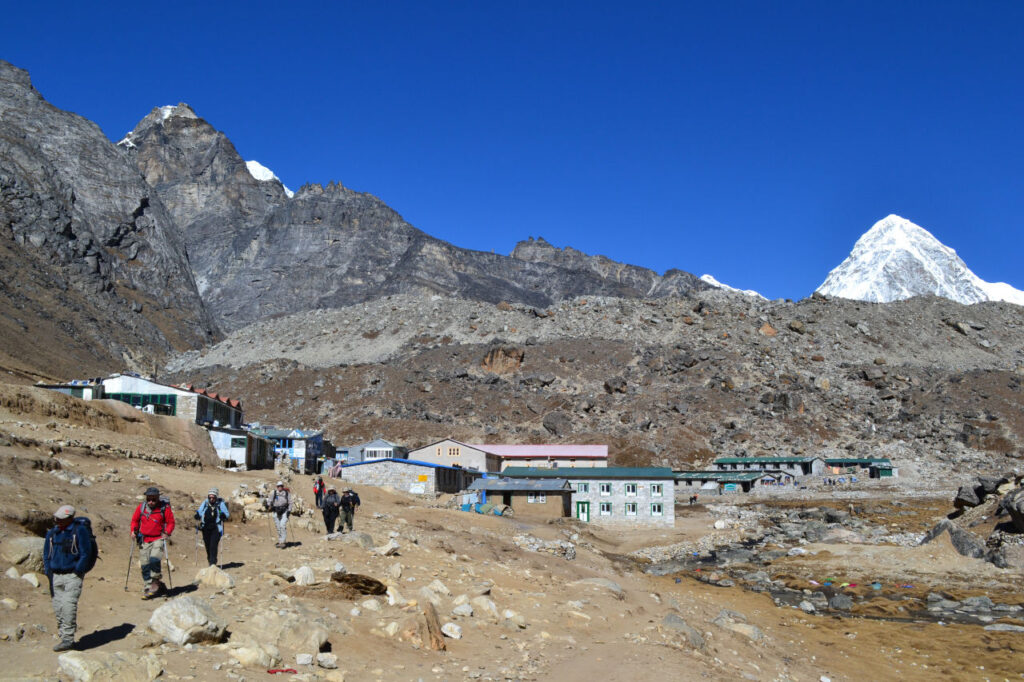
column 933, row 384
column 517, row 606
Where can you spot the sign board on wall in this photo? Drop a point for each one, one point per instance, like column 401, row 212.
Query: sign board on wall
column 418, row 489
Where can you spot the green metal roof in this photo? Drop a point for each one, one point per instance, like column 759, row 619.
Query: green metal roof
column 721, row 475
column 589, row 472
column 763, row 460
column 838, row 461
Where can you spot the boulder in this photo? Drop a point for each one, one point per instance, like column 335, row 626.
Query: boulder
column 964, row 541
column 213, row 576
column 673, row 622
column 452, row 630
column 250, row 652
column 26, row 553
column 327, row 660
column 390, row 549
column 969, row 495
column 101, row 666
column 609, row 585
column 187, row 620
column 1013, row 504
column 840, row 602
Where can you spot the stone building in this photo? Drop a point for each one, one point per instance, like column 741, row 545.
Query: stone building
column 185, row 402
column 794, row 466
column 378, row 448
column 411, row 476
column 634, row 497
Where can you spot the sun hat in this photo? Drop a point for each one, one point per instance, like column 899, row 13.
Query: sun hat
column 64, row 512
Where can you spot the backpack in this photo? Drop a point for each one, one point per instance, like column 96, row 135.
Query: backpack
column 211, row 514
column 93, row 550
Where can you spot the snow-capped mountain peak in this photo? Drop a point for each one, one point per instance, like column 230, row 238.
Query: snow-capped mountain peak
column 264, row 174
column 897, row 259
column 715, row 283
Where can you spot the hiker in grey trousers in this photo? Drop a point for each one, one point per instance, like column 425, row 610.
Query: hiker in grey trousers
column 65, row 561
column 280, row 505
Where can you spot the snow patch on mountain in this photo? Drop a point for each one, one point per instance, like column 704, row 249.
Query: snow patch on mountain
column 897, row 259
column 264, row 174
column 715, row 283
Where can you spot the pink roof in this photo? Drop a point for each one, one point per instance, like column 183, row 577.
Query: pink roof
column 542, row 451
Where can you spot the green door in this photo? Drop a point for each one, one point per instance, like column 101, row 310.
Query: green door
column 583, row 511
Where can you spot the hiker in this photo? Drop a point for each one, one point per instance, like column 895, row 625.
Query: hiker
column 331, row 507
column 152, row 525
column 68, row 553
column 280, row 505
column 318, row 491
column 349, row 504
column 211, row 514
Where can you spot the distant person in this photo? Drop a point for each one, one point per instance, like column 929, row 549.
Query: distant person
column 331, row 508
column 152, row 525
column 318, row 491
column 211, row 515
column 349, row 504
column 280, row 505
column 69, row 551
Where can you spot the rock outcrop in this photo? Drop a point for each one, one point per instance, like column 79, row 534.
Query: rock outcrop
column 89, row 256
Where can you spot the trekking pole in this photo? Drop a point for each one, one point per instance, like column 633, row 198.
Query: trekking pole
column 224, row 550
column 167, row 557
column 197, row 545
column 131, row 553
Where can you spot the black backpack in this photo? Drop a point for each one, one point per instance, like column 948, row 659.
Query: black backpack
column 93, row 550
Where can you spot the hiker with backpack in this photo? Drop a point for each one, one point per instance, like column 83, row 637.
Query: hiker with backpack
column 318, row 491
column 331, row 507
column 280, row 505
column 152, row 525
column 69, row 552
column 349, row 504
column 211, row 515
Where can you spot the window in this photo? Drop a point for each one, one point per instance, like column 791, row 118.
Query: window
column 454, row 452
column 656, row 509
column 606, row 509
column 536, row 498
column 656, row 490
column 583, row 487
column 238, row 442
column 631, row 489
column 606, row 488
column 631, row 509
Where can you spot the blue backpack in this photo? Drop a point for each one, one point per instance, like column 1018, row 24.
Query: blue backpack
column 93, row 550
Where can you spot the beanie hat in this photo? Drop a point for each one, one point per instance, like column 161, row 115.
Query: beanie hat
column 280, row 482
column 152, row 490
column 214, row 492
column 65, row 512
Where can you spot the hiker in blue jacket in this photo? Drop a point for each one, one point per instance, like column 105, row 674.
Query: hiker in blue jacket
column 67, row 554
column 211, row 515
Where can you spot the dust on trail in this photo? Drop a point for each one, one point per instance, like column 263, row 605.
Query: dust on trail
column 573, row 631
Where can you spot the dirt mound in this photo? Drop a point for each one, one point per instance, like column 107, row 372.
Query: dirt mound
column 343, row 587
column 57, row 422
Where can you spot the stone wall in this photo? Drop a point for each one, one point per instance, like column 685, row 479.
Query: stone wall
column 394, row 474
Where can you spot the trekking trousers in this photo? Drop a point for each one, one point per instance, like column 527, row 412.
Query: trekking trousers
column 150, row 559
column 346, row 518
column 329, row 519
column 211, row 540
column 281, row 523
column 67, row 588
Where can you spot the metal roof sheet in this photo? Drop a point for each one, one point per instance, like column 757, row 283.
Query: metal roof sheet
column 589, row 472
column 530, row 485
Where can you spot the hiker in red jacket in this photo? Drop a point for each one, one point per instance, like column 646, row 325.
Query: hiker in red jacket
column 318, row 491
column 152, row 524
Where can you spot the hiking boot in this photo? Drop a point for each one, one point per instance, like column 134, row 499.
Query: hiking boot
column 64, row 645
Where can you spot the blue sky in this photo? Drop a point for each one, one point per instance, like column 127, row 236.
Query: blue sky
column 755, row 141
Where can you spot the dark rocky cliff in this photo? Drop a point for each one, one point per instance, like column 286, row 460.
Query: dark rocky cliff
column 256, row 252
column 89, row 253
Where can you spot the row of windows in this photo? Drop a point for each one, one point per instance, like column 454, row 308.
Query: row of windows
column 238, row 442
column 605, row 509
column 631, row 489
column 164, row 404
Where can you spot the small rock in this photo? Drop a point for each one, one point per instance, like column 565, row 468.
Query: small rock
column 304, row 659
column 31, row 578
column 389, row 549
column 304, row 576
column 12, row 573
column 464, row 610
column 327, row 660
column 452, row 630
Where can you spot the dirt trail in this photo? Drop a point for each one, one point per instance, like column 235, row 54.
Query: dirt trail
column 573, row 631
